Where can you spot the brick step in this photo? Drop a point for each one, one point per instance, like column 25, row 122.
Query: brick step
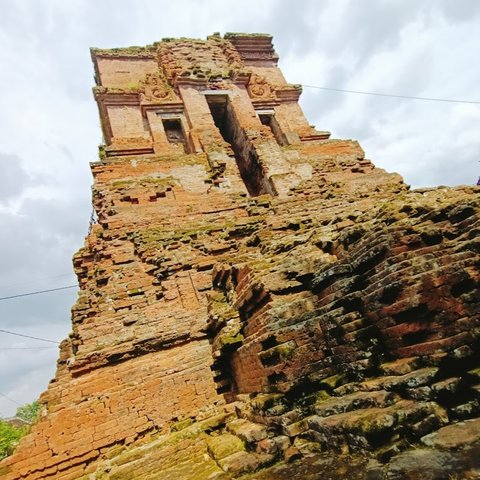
column 418, row 332
column 402, row 261
column 334, row 291
column 399, row 367
column 431, row 347
column 376, row 290
column 402, row 266
column 455, row 436
column 405, row 258
column 354, row 401
column 390, row 232
column 249, row 432
column 392, row 382
column 280, row 324
column 409, row 283
column 370, row 428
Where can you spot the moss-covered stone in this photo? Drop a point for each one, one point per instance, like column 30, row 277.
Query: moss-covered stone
column 334, row 381
column 223, row 445
column 180, row 425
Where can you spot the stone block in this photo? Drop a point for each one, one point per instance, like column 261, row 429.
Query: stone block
column 223, row 445
column 249, row 432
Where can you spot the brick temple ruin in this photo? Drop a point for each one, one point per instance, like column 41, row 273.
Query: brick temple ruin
column 255, row 293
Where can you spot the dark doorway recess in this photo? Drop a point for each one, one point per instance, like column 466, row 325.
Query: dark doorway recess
column 251, row 170
column 268, row 119
column 174, row 131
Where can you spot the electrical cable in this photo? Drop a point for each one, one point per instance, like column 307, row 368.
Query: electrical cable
column 38, row 292
column 11, row 399
column 25, row 348
column 16, row 403
column 29, row 336
column 37, row 280
column 430, row 99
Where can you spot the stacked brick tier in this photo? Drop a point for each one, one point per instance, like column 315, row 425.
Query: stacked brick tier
column 255, row 292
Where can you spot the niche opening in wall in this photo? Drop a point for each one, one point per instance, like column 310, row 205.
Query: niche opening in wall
column 267, row 118
column 249, row 166
column 174, row 131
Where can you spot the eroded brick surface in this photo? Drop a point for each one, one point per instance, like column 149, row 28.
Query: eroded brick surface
column 253, row 291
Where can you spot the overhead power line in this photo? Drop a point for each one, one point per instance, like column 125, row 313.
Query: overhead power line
column 11, row 399
column 38, row 292
column 376, row 94
column 28, row 336
column 25, row 348
column 37, row 280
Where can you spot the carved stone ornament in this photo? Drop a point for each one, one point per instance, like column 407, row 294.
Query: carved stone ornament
column 258, row 87
column 156, row 89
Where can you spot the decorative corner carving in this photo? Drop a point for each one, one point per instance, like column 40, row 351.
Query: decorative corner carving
column 258, row 87
column 156, row 89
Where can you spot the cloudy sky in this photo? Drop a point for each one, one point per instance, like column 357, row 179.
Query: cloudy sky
column 49, row 127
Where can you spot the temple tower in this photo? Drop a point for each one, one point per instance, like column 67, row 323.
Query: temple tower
column 223, row 97
column 249, row 281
